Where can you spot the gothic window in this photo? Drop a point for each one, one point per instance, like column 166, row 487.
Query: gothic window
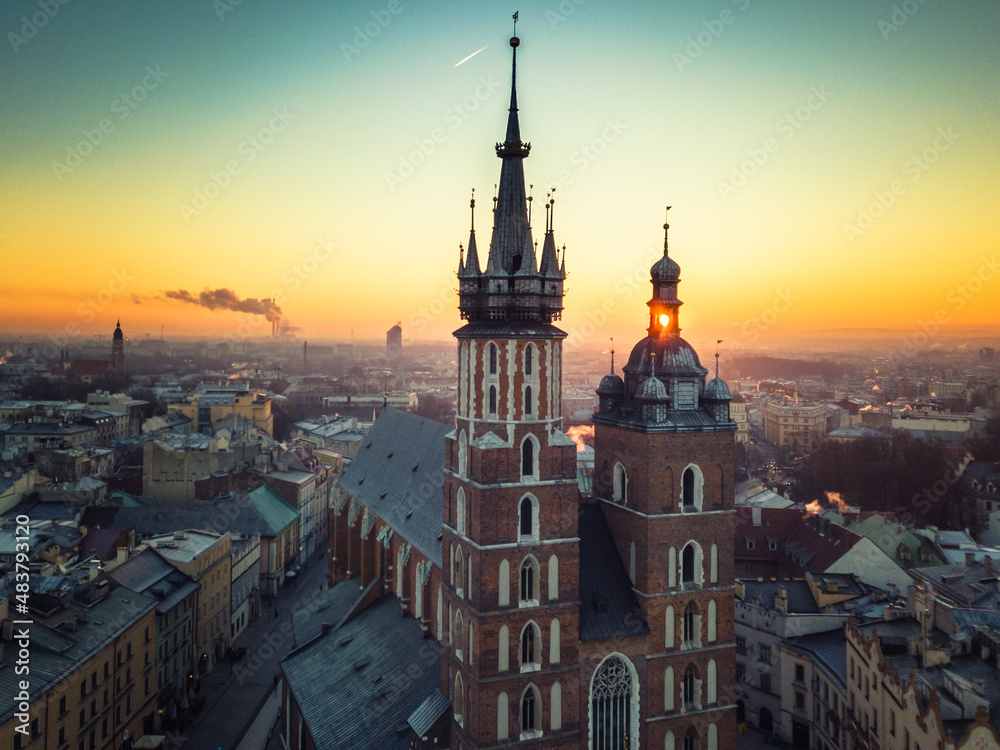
column 527, row 519
column 459, row 571
column 528, row 355
column 460, row 524
column 712, row 687
column 503, row 649
column 692, row 488
column 553, row 578
column 527, row 399
column 531, row 648
column 620, row 484
column 458, row 699
column 690, row 634
column 712, row 624
column 691, row 574
column 493, row 400
column 459, row 636
column 555, row 706
column 493, row 359
column 527, row 459
column 503, row 595
column 463, row 453
column 531, row 713
column 692, row 699
column 554, row 645
column 529, row 582
column 502, row 717
column 669, row 636
column 668, row 689
column 691, row 739
column 614, row 715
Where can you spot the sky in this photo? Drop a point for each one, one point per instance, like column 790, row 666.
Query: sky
column 829, row 165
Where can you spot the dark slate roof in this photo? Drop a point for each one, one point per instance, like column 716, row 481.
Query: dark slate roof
column 398, row 474
column 524, row 330
column 328, row 608
column 103, row 543
column 357, row 685
column 828, row 650
column 800, row 598
column 239, row 513
column 428, row 712
column 149, row 573
column 56, row 652
column 608, row 607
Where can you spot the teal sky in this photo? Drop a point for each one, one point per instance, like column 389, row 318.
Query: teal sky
column 628, row 106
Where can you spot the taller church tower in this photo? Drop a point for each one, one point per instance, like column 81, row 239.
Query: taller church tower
column 117, row 363
column 509, row 541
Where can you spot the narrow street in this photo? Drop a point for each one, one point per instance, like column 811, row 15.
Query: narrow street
column 236, row 693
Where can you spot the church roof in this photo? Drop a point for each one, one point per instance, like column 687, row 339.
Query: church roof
column 674, row 356
column 398, row 474
column 608, row 607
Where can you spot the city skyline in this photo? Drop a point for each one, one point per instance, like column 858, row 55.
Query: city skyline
column 204, row 161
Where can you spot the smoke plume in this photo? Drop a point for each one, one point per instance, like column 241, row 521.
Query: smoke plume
column 227, row 299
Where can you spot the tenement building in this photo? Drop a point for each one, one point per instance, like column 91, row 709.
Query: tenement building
column 560, row 621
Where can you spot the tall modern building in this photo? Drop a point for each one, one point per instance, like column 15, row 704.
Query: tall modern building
column 597, row 625
column 394, row 341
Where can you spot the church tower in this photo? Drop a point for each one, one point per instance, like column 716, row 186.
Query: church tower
column 117, row 363
column 509, row 604
column 664, row 476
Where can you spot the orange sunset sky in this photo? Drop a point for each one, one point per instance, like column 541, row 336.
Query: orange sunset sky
column 838, row 161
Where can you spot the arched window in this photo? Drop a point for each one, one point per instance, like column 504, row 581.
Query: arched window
column 493, row 359
column 503, row 595
column 553, row 578
column 692, row 484
column 531, row 713
column 529, row 582
column 668, row 689
column 458, row 699
column 472, row 643
column 713, row 737
column 459, row 572
column 460, row 521
column 503, row 717
column 527, row 458
column 714, row 564
column 691, row 637
column 669, row 743
column 614, row 709
column 712, row 626
column 672, row 567
column 669, row 639
column 503, row 649
column 493, row 400
column 459, row 636
column 527, row 519
column 527, row 399
column 463, row 453
column 711, row 688
column 554, row 646
column 620, row 484
column 692, row 690
column 691, row 739
column 529, row 351
column 440, row 614
column 691, row 566
column 555, row 706
column 531, row 647
column 631, row 563
column 418, row 593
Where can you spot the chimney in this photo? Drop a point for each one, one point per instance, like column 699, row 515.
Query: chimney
column 970, row 557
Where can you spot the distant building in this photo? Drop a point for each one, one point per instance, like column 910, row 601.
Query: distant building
column 793, row 424
column 210, row 403
column 394, row 341
column 980, row 486
column 738, row 412
column 89, row 369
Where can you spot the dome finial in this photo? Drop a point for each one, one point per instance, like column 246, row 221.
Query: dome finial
column 612, row 355
column 717, row 358
column 666, row 227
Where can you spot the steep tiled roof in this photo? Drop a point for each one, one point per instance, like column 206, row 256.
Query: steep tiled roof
column 608, row 607
column 347, row 683
column 398, row 474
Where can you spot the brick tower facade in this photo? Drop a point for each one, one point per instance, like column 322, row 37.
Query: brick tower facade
column 509, row 541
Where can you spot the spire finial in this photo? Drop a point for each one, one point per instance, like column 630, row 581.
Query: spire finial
column 530, row 199
column 666, row 227
column 494, row 197
column 652, row 363
column 717, row 358
column 472, row 206
column 612, row 355
column 552, row 209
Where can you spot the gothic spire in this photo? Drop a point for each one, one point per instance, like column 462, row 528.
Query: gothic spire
column 550, row 256
column 471, row 267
